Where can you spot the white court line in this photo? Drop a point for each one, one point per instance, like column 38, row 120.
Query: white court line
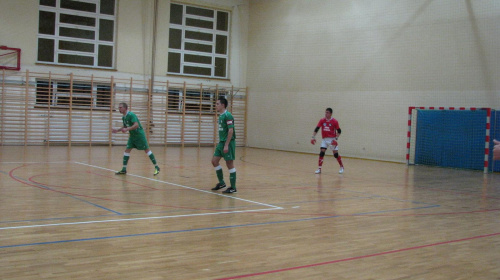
column 136, row 219
column 31, row 162
column 186, row 187
column 160, row 217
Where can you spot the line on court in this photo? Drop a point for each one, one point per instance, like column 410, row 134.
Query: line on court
column 386, row 197
column 175, row 231
column 272, row 207
column 186, row 187
column 137, row 219
column 41, row 186
column 359, row 257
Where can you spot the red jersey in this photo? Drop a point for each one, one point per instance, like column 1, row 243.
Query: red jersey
column 328, row 127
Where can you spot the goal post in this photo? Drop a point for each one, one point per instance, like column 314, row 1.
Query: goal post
column 456, row 137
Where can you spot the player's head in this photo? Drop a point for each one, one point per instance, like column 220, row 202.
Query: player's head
column 223, row 101
column 328, row 113
column 122, row 107
column 221, row 104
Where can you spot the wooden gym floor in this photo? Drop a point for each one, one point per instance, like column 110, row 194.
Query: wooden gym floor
column 64, row 214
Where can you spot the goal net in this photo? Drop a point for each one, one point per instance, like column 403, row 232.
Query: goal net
column 450, row 137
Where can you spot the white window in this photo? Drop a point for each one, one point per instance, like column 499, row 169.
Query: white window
column 198, row 41
column 195, row 102
column 77, row 33
column 63, row 94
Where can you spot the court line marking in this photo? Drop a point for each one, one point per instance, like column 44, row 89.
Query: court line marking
column 73, row 197
column 272, row 207
column 359, row 257
column 136, row 219
column 44, row 187
column 179, row 231
column 182, row 186
column 374, row 214
column 31, row 162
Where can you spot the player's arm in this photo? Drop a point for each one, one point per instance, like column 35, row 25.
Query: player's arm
column 334, row 141
column 133, row 127
column 230, row 132
column 118, row 130
column 313, row 139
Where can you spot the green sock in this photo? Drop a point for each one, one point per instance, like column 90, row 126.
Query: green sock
column 232, row 179
column 220, row 176
column 152, row 158
column 125, row 162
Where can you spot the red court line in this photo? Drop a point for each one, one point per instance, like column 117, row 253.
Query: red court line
column 359, row 257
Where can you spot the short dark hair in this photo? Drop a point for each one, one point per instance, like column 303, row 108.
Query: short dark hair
column 223, row 100
column 330, row 110
column 124, row 105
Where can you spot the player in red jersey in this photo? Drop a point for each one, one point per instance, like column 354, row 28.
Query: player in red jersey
column 330, row 132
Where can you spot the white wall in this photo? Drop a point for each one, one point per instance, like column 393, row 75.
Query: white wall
column 369, row 60
column 19, row 27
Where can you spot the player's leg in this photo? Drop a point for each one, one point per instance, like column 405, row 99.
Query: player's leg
column 324, row 145
column 153, row 160
column 229, row 158
column 126, row 157
column 218, row 154
column 339, row 158
column 141, row 143
column 320, row 160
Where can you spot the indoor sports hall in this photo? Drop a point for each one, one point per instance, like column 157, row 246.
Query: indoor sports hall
column 412, row 83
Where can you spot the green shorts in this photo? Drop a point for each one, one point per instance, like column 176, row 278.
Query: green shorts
column 138, row 142
column 231, row 154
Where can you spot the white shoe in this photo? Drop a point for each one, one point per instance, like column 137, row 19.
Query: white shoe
column 341, row 170
column 318, row 171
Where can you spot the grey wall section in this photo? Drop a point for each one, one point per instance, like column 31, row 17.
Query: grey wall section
column 369, row 61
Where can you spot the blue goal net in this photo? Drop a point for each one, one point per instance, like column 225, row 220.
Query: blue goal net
column 453, row 137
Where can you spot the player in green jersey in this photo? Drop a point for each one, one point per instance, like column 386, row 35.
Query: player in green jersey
column 137, row 138
column 226, row 148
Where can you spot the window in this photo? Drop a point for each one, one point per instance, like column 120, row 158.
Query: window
column 81, row 95
column 198, row 42
column 194, row 101
column 77, row 33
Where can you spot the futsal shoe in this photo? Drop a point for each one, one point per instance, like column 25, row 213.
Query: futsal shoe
column 157, row 170
column 341, row 170
column 230, row 190
column 318, row 171
column 121, row 172
column 218, row 186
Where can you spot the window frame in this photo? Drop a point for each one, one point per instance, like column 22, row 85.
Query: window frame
column 97, row 43
column 184, row 65
column 50, row 93
column 176, row 99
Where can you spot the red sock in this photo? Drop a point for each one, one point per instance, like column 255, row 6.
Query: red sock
column 320, row 162
column 339, row 159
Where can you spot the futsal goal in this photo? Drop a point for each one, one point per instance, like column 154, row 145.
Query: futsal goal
column 455, row 137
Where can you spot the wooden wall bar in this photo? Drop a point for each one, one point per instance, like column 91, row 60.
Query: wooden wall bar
column 50, row 109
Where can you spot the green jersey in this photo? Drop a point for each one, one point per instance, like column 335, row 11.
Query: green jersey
column 226, row 121
column 128, row 120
